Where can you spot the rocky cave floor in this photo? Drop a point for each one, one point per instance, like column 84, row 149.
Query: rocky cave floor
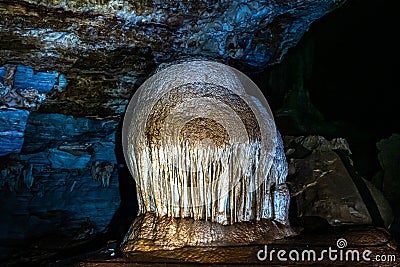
column 99, row 251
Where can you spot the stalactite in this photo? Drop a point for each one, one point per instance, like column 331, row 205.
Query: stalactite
column 102, row 171
column 203, row 183
column 28, row 177
column 201, row 143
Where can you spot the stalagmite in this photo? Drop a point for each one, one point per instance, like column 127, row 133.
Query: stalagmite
column 210, row 169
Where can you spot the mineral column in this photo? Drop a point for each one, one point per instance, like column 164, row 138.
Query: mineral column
column 209, row 164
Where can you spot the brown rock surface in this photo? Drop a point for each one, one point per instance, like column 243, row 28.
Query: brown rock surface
column 359, row 238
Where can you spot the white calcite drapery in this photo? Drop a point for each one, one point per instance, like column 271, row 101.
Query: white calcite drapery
column 201, row 142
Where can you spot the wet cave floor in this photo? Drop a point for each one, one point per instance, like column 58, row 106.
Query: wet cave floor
column 374, row 246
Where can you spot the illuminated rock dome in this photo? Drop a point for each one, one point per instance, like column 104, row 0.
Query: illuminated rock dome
column 201, row 142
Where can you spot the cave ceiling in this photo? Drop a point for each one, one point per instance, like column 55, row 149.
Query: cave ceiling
column 105, row 49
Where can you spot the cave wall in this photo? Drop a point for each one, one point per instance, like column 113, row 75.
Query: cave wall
column 64, row 178
column 67, row 72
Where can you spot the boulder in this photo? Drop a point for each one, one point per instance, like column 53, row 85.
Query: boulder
column 323, row 184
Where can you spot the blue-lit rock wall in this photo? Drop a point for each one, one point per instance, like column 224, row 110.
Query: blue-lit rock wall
column 22, row 91
column 65, row 178
column 57, row 172
column 12, row 127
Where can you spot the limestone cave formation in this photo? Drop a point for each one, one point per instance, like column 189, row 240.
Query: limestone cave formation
column 68, row 70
